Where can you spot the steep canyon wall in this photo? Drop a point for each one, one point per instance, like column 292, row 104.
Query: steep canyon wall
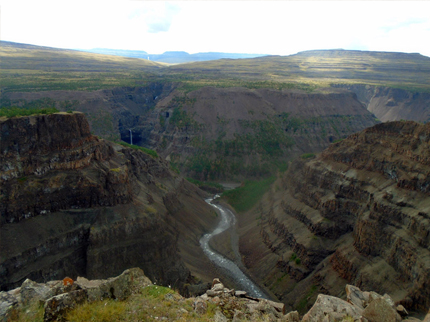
column 357, row 213
column 73, row 204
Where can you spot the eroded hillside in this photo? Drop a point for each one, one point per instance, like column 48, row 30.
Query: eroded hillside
column 72, row 204
column 357, row 213
column 217, row 133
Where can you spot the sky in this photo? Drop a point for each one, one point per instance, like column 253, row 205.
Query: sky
column 255, row 27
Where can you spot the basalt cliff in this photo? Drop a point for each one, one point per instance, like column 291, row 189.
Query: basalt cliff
column 73, row 204
column 215, row 133
column 357, row 213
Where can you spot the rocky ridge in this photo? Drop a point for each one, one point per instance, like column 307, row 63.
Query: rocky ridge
column 59, row 298
column 71, row 202
column 355, row 214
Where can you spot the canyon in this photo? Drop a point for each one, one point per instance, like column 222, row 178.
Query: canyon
column 357, row 213
column 233, row 133
column 349, row 204
column 73, row 204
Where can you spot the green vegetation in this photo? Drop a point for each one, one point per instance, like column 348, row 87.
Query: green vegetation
column 162, row 120
column 152, row 153
column 181, row 119
column 22, row 179
column 203, row 185
column 307, row 155
column 245, row 197
column 266, row 138
column 152, row 304
column 151, row 210
column 295, row 259
column 33, row 68
column 259, row 148
column 32, row 313
column 174, row 167
column 302, row 307
column 107, row 310
column 21, row 107
column 18, row 111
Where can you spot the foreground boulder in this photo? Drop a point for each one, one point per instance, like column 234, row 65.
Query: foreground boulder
column 219, row 303
column 330, row 308
column 58, row 298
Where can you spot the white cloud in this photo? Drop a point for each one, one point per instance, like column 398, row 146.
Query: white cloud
column 272, row 27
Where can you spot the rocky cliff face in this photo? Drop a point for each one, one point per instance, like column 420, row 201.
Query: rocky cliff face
column 110, row 113
column 218, row 133
column 393, row 104
column 215, row 133
column 357, row 213
column 72, row 204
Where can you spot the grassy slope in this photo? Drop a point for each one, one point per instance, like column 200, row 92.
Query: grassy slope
column 34, row 68
column 319, row 68
column 245, row 197
column 150, row 304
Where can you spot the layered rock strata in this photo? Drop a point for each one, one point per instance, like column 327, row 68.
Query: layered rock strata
column 214, row 132
column 357, row 213
column 73, row 204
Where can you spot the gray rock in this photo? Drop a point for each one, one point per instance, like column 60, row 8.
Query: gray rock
column 8, row 302
column 218, row 287
column 200, row 306
column 119, row 287
column 240, row 293
column 401, row 310
column 252, row 307
column 291, row 317
column 212, row 293
column 329, row 308
column 238, row 316
column 215, row 281
column 356, row 297
column 427, row 318
column 32, row 292
column 389, row 300
column 379, row 310
column 219, row 317
column 56, row 307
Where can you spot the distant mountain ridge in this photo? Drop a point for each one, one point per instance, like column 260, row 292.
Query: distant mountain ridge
column 171, row 57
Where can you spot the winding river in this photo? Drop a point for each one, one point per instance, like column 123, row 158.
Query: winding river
column 228, row 219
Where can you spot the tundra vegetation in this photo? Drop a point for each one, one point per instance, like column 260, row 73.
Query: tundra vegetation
column 34, row 68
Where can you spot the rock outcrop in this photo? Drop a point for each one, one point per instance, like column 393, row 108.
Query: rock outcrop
column 358, row 213
column 75, row 205
column 226, row 304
